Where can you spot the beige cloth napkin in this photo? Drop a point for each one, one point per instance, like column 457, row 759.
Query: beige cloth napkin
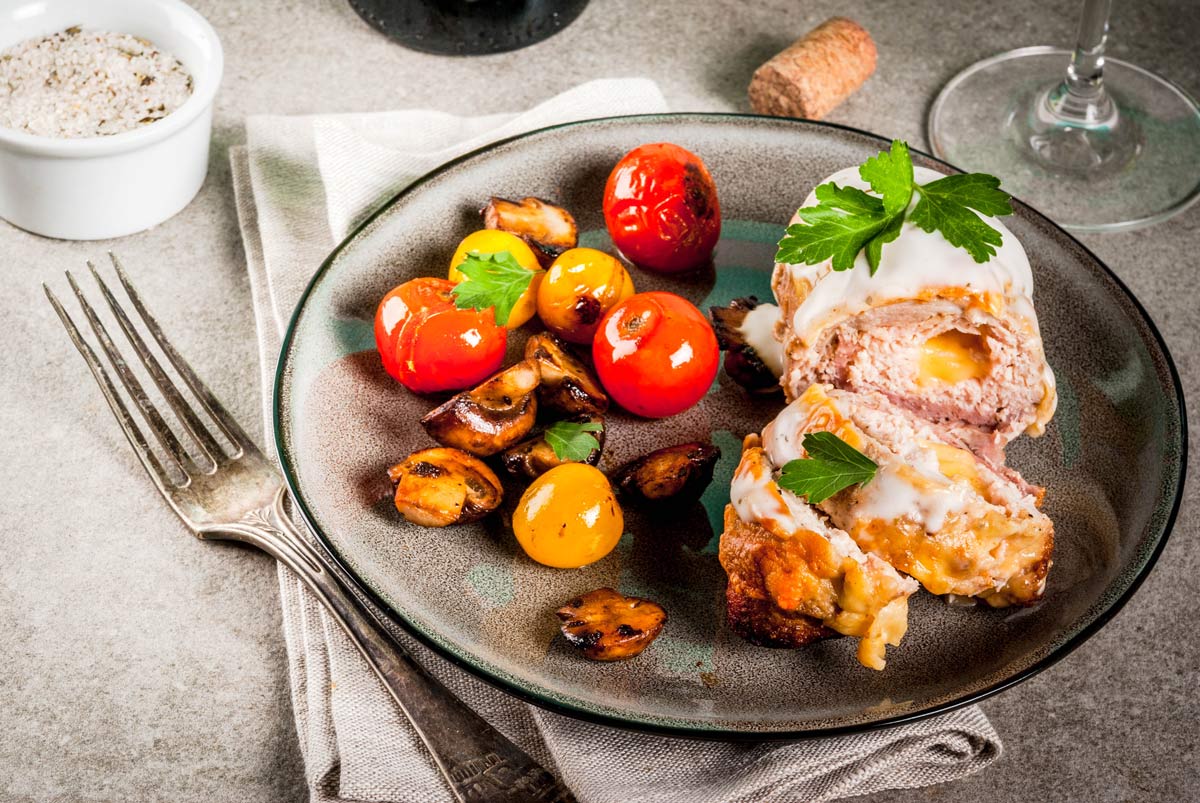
column 302, row 183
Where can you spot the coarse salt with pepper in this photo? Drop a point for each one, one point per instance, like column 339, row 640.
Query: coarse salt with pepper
column 76, row 84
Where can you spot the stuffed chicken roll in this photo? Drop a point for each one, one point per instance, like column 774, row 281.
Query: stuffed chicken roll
column 933, row 510
column 794, row 578
column 954, row 341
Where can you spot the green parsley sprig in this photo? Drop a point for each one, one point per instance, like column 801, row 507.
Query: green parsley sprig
column 847, row 220
column 831, row 465
column 573, row 440
column 492, row 280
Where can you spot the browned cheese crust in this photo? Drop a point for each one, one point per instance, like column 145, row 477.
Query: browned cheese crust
column 752, row 613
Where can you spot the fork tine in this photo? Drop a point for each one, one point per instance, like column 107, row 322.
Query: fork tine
column 151, row 463
column 225, row 422
column 150, row 414
column 183, row 410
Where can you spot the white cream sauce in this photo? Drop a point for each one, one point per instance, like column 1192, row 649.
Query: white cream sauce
column 758, row 498
column 758, row 330
column 782, row 437
column 917, row 260
column 889, row 496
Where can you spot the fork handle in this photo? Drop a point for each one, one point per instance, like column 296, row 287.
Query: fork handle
column 480, row 764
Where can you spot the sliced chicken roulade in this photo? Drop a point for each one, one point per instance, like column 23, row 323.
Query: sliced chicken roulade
column 955, row 341
column 794, row 579
column 934, row 510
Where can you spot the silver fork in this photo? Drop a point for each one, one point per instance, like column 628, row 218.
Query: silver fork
column 240, row 496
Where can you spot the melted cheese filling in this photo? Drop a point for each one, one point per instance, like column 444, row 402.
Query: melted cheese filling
column 958, row 464
column 953, row 357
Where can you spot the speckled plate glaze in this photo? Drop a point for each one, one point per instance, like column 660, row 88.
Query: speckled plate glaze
column 1112, row 460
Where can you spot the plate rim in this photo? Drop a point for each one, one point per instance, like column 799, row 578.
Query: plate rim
column 718, row 733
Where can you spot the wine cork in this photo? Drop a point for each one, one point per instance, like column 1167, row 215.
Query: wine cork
column 816, row 72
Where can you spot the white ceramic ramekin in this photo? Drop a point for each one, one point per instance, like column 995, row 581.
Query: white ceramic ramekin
column 100, row 187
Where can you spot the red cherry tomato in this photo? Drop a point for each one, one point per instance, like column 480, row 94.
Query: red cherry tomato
column 655, row 354
column 661, row 209
column 445, row 348
column 428, row 345
column 399, row 306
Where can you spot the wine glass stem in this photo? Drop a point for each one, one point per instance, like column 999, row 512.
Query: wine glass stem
column 1081, row 98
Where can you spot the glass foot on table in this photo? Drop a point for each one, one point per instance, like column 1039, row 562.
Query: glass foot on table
column 1131, row 160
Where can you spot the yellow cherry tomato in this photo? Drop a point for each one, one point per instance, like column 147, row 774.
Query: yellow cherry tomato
column 568, row 517
column 491, row 241
column 578, row 289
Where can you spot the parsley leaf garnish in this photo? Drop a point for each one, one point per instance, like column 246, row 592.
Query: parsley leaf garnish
column 847, row 220
column 573, row 440
column 826, row 232
column 890, row 173
column 831, row 465
column 946, row 205
column 875, row 246
column 492, row 280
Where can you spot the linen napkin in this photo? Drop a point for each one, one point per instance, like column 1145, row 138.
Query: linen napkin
column 301, row 184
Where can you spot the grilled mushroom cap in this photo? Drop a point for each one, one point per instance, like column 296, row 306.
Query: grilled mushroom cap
column 439, row 487
column 676, row 473
column 742, row 362
column 490, row 418
column 610, row 627
column 567, row 384
column 548, row 229
column 534, row 457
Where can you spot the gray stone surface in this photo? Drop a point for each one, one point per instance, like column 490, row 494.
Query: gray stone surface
column 139, row 664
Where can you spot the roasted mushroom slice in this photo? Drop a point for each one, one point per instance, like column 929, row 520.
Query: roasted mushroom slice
column 610, row 627
column 439, row 487
column 746, row 332
column 534, row 457
column 490, row 418
column 676, row 473
column 548, row 229
column 567, row 384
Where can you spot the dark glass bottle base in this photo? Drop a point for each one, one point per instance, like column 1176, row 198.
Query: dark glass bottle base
column 468, row 27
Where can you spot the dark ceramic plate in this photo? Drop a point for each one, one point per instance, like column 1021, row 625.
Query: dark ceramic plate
column 1112, row 460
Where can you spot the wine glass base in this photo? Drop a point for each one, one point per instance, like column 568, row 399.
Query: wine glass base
column 1140, row 169
column 468, row 27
